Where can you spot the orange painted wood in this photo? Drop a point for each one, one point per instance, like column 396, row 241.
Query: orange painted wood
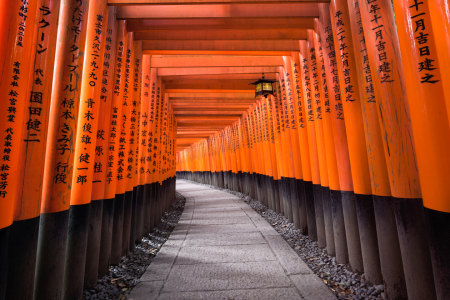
column 34, row 135
column 393, row 106
column 116, row 112
column 103, row 130
column 65, row 97
column 427, row 103
column 219, row 23
column 224, row 34
column 337, row 111
column 351, row 97
column 377, row 162
column 271, row 10
column 88, row 112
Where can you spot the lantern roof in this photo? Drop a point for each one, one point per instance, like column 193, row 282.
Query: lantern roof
column 262, row 80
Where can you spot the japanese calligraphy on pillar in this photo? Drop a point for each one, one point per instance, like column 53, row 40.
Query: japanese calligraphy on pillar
column 427, row 64
column 307, row 84
column 342, row 40
column 315, row 83
column 383, row 62
column 331, row 57
column 71, row 94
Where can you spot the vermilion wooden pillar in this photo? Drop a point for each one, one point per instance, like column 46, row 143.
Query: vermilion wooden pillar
column 102, row 178
column 425, row 79
column 388, row 245
column 24, row 231
column 395, row 120
column 83, row 174
column 60, row 149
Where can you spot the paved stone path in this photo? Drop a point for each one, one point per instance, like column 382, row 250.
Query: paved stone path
column 222, row 249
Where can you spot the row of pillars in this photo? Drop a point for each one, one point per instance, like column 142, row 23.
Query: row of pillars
column 353, row 147
column 87, row 164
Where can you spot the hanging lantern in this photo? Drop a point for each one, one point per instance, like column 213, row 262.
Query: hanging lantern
column 263, row 87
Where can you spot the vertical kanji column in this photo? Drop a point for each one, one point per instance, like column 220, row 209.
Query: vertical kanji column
column 299, row 109
column 425, row 86
column 355, row 91
column 60, row 149
column 134, row 137
column 393, row 106
column 114, row 146
column 339, row 132
column 308, row 115
column 101, row 174
column 273, row 155
column 98, row 208
column 18, row 58
column 387, row 236
column 150, row 162
column 361, row 202
column 87, row 123
column 142, row 141
column 24, row 231
column 126, row 151
column 297, row 184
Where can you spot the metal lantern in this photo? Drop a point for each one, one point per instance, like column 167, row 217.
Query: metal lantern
column 263, row 87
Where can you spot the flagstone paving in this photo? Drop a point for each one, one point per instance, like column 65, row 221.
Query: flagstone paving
column 222, row 249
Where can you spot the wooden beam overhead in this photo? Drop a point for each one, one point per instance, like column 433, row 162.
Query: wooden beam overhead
column 249, row 77
column 221, row 45
column 182, row 61
column 242, row 87
column 203, row 2
column 233, row 10
column 215, row 70
column 224, row 34
column 207, row 113
column 207, row 96
column 137, row 25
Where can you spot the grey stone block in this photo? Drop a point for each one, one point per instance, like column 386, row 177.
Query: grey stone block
column 226, row 276
column 259, row 294
column 224, row 254
column 311, row 287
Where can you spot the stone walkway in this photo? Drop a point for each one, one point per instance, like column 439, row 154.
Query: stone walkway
column 222, row 249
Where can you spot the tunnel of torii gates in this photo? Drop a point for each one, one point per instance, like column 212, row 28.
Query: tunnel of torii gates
column 104, row 103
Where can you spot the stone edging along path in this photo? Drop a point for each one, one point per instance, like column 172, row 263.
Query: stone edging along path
column 122, row 278
column 344, row 283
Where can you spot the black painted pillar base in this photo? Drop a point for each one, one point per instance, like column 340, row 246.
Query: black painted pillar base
column 106, row 237
column 328, row 220
column 93, row 243
column 439, row 237
column 22, row 251
column 133, row 228
column 281, row 197
column 302, row 206
column 412, row 234
column 140, row 212
column 352, row 231
column 295, row 202
column 127, row 211
column 276, row 196
column 116, row 242
column 147, row 210
column 76, row 252
column 4, row 242
column 310, row 211
column 51, row 254
column 340, row 238
column 389, row 248
column 368, row 236
column 320, row 223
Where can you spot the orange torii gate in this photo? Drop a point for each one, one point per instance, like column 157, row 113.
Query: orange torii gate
column 107, row 102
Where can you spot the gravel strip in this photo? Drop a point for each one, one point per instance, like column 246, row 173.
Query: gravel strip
column 125, row 276
column 343, row 282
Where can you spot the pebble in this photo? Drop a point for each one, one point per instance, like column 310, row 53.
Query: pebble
column 122, row 278
column 340, row 279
